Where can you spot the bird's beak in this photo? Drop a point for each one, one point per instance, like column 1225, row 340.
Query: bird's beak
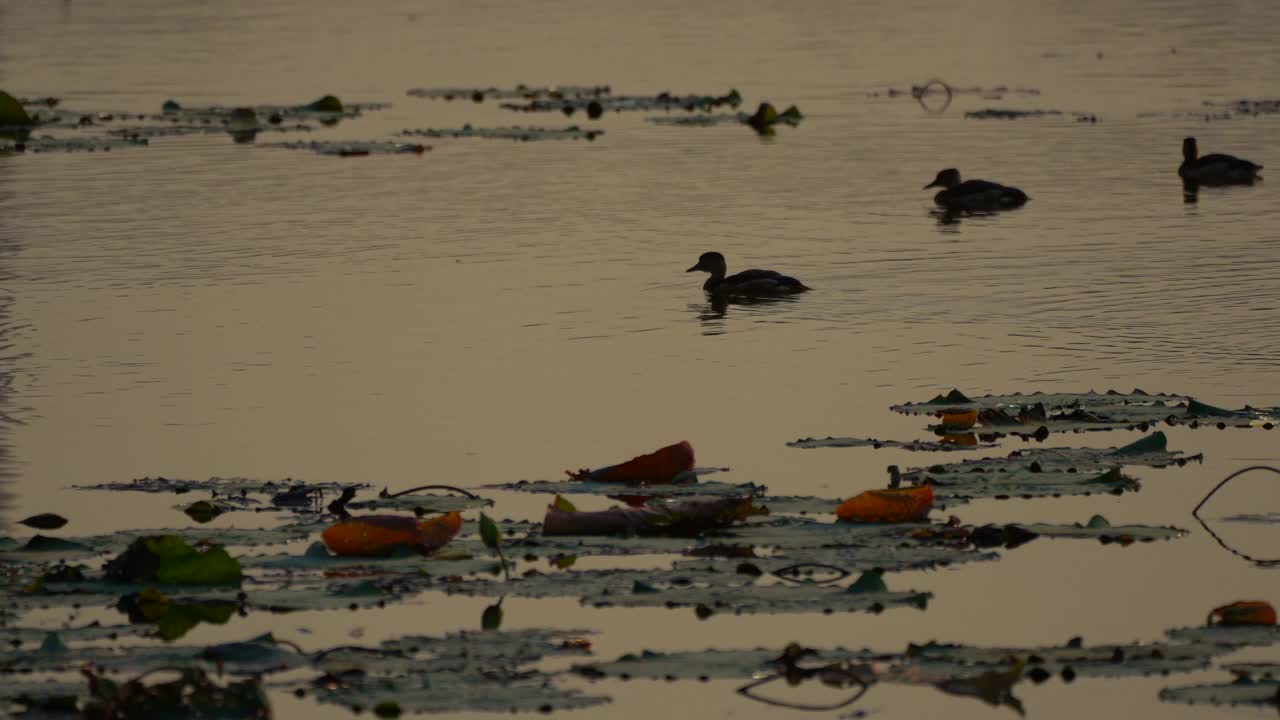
column 932, row 184
column 695, row 267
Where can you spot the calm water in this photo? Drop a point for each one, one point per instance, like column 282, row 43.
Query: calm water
column 496, row 311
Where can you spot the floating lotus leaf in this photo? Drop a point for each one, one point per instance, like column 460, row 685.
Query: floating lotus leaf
column 49, row 144
column 914, row 445
column 709, row 488
column 1007, row 114
column 1098, row 528
column 258, row 655
column 1092, row 661
column 137, row 132
column 318, row 558
column 707, row 664
column 1065, row 412
column 85, row 633
column 426, row 502
column 45, row 689
column 692, row 583
column 799, row 504
column 1228, row 635
column 1048, row 472
column 478, row 650
column 351, row 148
column 515, row 132
column 518, row 92
column 325, row 108
column 1243, row 691
column 224, row 486
column 1271, row 518
column 888, row 554
column 462, row 692
column 595, row 105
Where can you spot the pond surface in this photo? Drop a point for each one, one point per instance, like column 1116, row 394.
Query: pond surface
column 494, row 311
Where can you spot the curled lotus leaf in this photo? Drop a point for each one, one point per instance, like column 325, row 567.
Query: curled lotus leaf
column 351, row 148
column 514, row 132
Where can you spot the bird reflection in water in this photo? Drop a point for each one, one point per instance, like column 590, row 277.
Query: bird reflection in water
column 714, row 314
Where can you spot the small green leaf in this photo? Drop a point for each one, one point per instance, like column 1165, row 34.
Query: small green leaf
column 203, row 511
column 563, row 505
column 869, row 582
column 489, row 532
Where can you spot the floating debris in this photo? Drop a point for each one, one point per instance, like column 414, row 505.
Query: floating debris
column 515, row 132
column 762, row 121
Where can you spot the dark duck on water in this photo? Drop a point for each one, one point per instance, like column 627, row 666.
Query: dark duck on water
column 971, row 195
column 1215, row 169
column 748, row 283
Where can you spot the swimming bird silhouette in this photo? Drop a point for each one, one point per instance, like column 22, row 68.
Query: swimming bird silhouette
column 748, row 283
column 974, row 194
column 1215, row 169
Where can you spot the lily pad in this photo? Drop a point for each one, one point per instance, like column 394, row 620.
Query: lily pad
column 1047, row 472
column 351, row 148
column 708, row 488
column 50, row 144
column 223, row 486
column 1228, row 635
column 624, row 103
column 914, row 445
column 462, row 692
column 515, row 132
column 1098, row 528
column 519, row 92
column 1066, row 412
column 1243, row 691
column 1009, row 114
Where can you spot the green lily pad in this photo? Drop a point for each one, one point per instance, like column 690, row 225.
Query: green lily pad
column 515, row 132
column 168, row 559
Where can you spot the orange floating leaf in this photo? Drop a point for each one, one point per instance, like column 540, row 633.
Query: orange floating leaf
column 888, row 506
column 1244, row 612
column 658, row 467
column 959, row 419
column 375, row 535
